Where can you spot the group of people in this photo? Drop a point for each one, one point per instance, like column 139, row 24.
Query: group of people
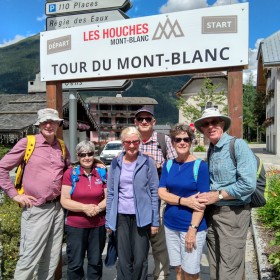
column 167, row 199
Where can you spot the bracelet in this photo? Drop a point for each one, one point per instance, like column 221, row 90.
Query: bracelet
column 179, row 200
column 100, row 209
column 194, row 226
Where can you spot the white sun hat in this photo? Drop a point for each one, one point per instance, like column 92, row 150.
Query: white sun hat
column 212, row 113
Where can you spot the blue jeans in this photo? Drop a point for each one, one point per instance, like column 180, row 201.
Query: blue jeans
column 79, row 242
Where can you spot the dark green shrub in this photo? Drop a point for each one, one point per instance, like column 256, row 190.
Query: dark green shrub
column 270, row 215
column 199, row 148
column 10, row 214
column 3, row 151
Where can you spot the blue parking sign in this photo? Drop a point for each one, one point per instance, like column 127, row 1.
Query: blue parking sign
column 52, row 8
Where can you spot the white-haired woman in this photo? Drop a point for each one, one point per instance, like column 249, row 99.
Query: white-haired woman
column 132, row 206
column 84, row 194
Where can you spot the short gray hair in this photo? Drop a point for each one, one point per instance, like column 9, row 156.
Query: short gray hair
column 85, row 146
column 128, row 131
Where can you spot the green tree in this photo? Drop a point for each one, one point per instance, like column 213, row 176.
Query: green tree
column 209, row 95
column 253, row 112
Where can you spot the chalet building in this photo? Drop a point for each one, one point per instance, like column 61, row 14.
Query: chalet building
column 18, row 113
column 113, row 114
column 268, row 83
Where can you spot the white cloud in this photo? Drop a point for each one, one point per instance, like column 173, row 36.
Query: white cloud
column 13, row 41
column 42, row 18
column 182, row 5
column 253, row 64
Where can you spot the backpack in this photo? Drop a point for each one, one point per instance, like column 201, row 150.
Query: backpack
column 162, row 143
column 195, row 167
column 76, row 172
column 31, row 141
column 258, row 198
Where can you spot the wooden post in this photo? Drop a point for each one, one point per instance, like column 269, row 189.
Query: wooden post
column 235, row 101
column 54, row 101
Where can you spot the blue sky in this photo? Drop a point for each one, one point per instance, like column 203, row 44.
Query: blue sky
column 23, row 18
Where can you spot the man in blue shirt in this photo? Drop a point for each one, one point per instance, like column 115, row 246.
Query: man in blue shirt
column 228, row 213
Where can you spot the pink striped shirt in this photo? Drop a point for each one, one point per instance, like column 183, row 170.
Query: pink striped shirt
column 43, row 172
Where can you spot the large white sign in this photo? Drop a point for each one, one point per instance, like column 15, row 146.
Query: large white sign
column 54, row 23
column 169, row 43
column 70, row 6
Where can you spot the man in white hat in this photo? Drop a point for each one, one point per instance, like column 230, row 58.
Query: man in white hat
column 228, row 213
column 42, row 216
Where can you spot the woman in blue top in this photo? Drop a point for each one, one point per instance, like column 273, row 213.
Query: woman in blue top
column 180, row 183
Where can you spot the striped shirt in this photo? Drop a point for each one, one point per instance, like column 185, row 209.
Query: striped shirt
column 152, row 148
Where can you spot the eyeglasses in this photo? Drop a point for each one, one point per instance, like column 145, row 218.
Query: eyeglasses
column 212, row 122
column 133, row 142
column 82, row 155
column 147, row 119
column 185, row 139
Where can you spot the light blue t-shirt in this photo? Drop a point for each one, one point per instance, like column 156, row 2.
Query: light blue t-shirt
column 180, row 181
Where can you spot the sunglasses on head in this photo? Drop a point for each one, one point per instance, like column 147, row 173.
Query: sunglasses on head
column 185, row 139
column 82, row 155
column 212, row 122
column 147, row 119
column 134, row 142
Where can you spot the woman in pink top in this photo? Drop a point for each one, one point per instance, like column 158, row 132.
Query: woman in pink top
column 85, row 219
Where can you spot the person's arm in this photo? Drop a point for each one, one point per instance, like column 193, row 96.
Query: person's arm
column 7, row 164
column 74, row 206
column 171, row 152
column 153, row 185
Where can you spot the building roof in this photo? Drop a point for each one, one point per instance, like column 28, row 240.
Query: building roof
column 195, row 82
column 121, row 100
column 18, row 113
column 269, row 50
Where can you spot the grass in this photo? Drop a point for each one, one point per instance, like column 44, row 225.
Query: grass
column 269, row 215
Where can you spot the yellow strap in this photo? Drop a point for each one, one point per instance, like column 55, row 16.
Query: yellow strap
column 63, row 149
column 259, row 169
column 28, row 152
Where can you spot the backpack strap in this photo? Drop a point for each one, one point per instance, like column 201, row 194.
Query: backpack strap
column 162, row 143
column 169, row 164
column 31, row 140
column 63, row 148
column 102, row 173
column 232, row 150
column 74, row 177
column 196, row 168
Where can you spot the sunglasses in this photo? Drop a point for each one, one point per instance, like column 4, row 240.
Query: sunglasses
column 147, row 119
column 82, row 155
column 185, row 139
column 133, row 142
column 213, row 123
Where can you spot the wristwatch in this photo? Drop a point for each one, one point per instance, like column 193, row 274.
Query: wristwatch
column 220, row 195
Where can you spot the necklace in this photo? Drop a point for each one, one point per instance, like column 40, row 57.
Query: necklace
column 181, row 164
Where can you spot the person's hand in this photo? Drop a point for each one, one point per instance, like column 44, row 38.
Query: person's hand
column 90, row 209
column 154, row 230
column 208, row 198
column 109, row 231
column 190, row 239
column 24, row 200
column 196, row 203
